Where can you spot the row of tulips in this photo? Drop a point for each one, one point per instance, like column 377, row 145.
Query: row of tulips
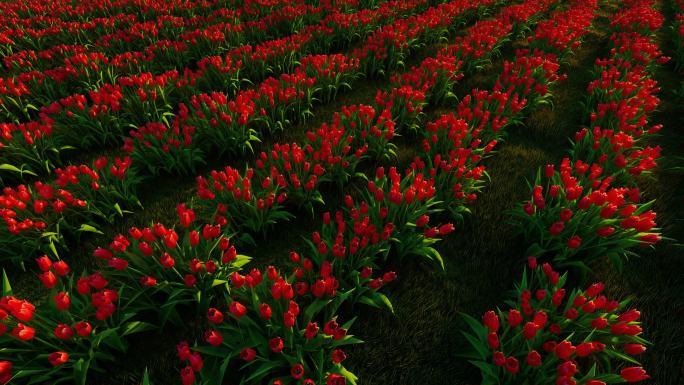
column 291, row 173
column 216, row 121
column 549, row 333
column 101, row 117
column 81, row 11
column 591, row 207
column 26, row 93
column 38, row 217
column 54, row 26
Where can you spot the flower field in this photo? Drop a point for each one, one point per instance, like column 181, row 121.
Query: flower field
column 342, row 192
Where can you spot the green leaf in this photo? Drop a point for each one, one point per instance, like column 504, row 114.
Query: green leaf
column 386, row 301
column 90, row 229
column 6, row 288
column 146, row 378
column 262, row 371
column 136, row 327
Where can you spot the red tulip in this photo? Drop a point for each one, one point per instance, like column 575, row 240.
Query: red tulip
column 634, row 349
column 48, row 279
column 634, row 374
column 512, row 365
column 493, row 340
column 514, row 318
column 23, row 332
column 499, row 359
column 297, row 371
column 5, row 372
column 530, row 330
column 237, row 309
column 82, row 328
column 213, row 337
column 564, row 350
column 187, row 376
column 63, row 332
column 338, row 356
column 491, row 321
column 247, row 354
column 62, row 301
column 58, row 358
column 276, row 344
column 533, row 359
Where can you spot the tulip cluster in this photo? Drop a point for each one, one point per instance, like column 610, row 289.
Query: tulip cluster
column 70, row 334
column 386, row 49
column 270, row 333
column 37, row 217
column 177, row 267
column 591, row 208
column 577, row 215
column 213, row 122
column 116, row 105
column 551, row 334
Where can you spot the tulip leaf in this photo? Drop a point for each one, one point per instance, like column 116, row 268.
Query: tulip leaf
column 136, row 327
column 6, row 288
column 90, row 229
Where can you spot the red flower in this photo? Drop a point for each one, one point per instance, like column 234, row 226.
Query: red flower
column 584, row 349
column 493, row 340
column 82, row 328
column 44, row 263
column 61, row 268
column 48, row 279
column 148, row 281
column 102, row 253
column 512, row 365
column 62, row 301
column 247, row 354
column 5, row 372
column 556, row 228
column 276, row 344
column 338, row 356
column 634, row 349
column 187, row 376
column 530, row 330
column 237, row 309
column 265, row 311
column 215, row 316
column 297, row 371
column 23, row 332
column 491, row 321
column 190, row 280
column 311, row 330
column 629, row 316
column 213, row 337
column 605, row 231
column 58, row 358
column 499, row 359
column 514, row 318
column 574, row 242
column 63, row 332
column 335, row 379
column 288, row 319
column 564, row 350
column 533, row 359
column 634, row 374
